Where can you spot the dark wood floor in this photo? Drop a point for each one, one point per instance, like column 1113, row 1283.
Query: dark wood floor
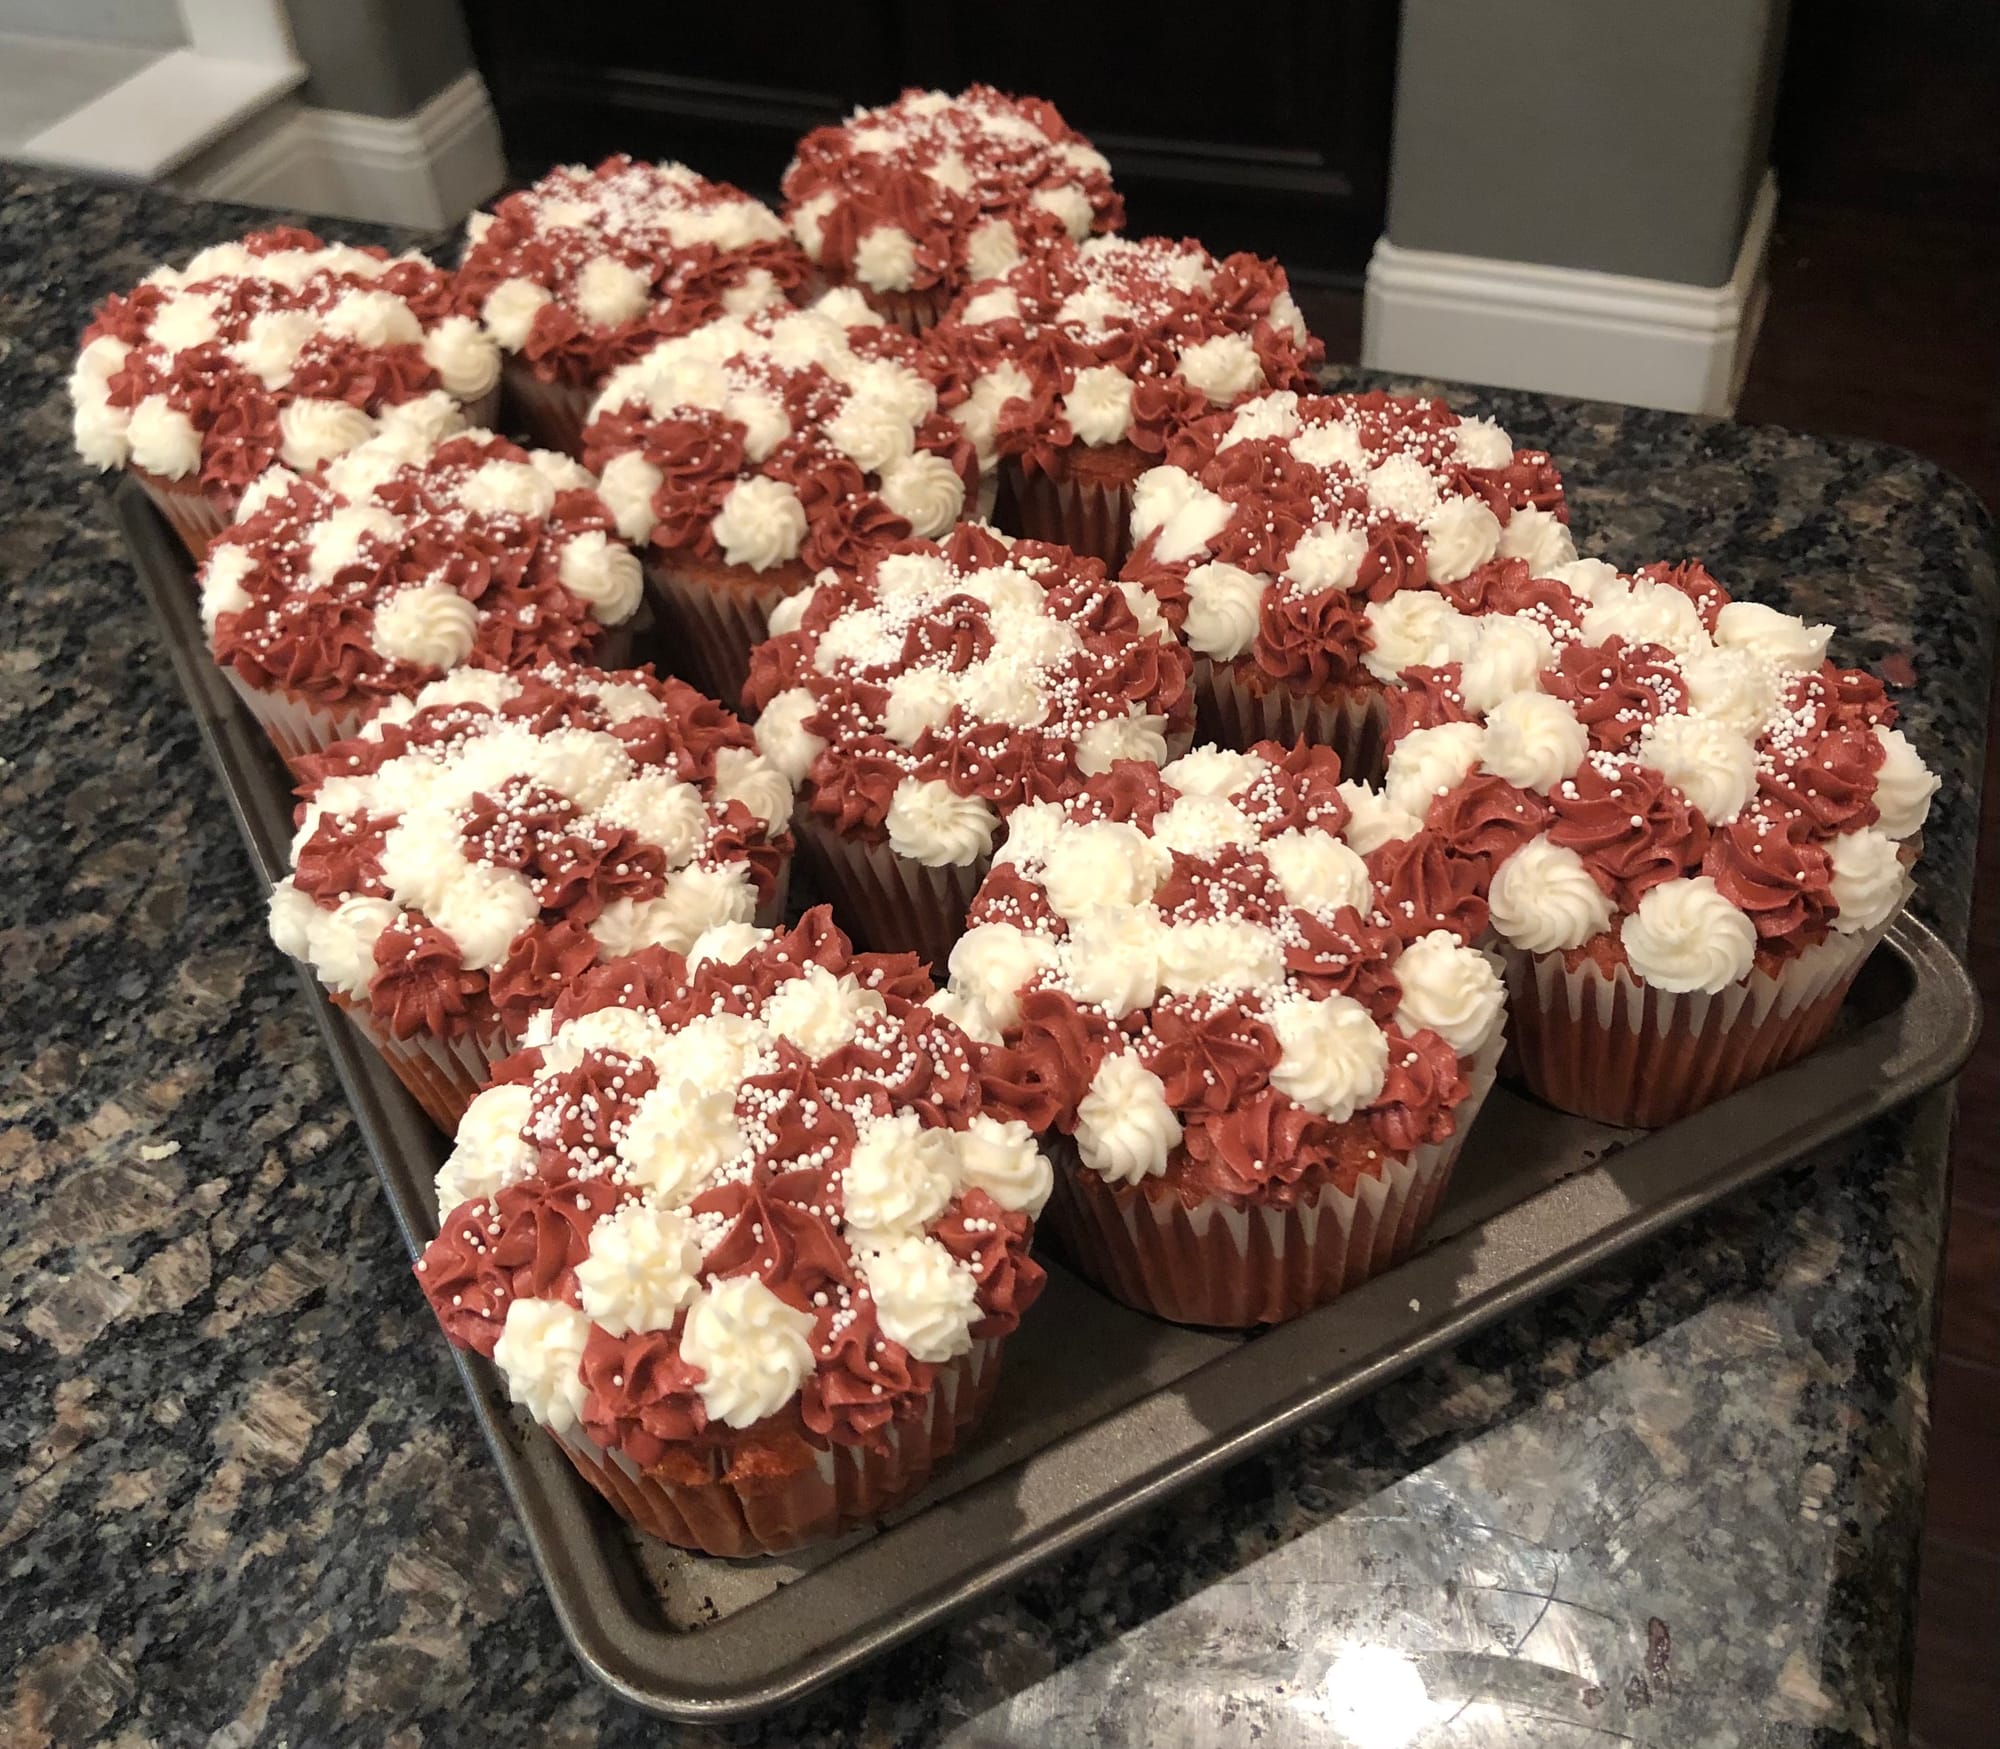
column 1882, row 326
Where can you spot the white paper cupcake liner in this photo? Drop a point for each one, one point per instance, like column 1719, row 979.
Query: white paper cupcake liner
column 193, row 515
column 443, row 1075
column 295, row 727
column 1235, row 714
column 1231, row 1267
column 845, row 1485
column 1084, row 516
column 1623, row 1052
column 550, row 415
column 884, row 901
column 707, row 630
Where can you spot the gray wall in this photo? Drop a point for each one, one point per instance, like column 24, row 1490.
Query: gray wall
column 378, row 57
column 144, row 24
column 1610, row 134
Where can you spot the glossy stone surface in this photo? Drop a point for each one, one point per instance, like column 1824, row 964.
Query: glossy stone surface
column 246, row 1499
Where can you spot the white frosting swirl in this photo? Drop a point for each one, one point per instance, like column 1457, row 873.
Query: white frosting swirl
column 1780, row 638
column 1904, row 785
column 510, row 310
column 1544, row 900
column 1318, row 872
column 1869, row 880
column 1506, row 656
column 1460, row 535
column 1428, row 763
column 1224, row 367
column 1450, row 988
column 1540, row 538
column 540, row 1354
column 750, row 778
column 761, row 523
column 426, row 624
column 466, row 360
column 1686, row 936
column 1224, row 602
column 994, row 962
column 1125, row 1130
column 314, row 431
column 627, row 486
column 1373, row 819
column 1098, row 405
column 900, row 1175
column 643, row 1269
column 603, row 573
column 782, row 735
column 1712, row 764
column 1000, row 1157
column 1533, row 740
column 1112, row 957
column 488, row 1151
column 925, row 491
column 930, row 822
column 924, row 1297
column 1332, row 1057
column 163, row 439
column 1136, row 735
column 1412, row 629
column 885, row 259
column 753, row 1349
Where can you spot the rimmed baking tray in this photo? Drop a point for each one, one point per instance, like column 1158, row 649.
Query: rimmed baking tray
column 1101, row 1412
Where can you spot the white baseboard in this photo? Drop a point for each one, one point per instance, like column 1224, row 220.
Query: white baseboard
column 1568, row 331
column 426, row 170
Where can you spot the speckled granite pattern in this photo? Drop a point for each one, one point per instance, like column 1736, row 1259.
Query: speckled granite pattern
column 245, row 1500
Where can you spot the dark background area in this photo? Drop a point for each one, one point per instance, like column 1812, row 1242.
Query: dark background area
column 1269, row 131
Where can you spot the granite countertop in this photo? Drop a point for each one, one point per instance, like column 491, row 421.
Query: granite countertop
column 246, row 1500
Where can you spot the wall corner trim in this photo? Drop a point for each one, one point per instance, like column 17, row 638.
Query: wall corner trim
column 425, row 170
column 1567, row 330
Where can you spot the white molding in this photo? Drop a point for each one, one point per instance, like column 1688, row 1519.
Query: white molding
column 1568, row 331
column 239, row 30
column 425, row 170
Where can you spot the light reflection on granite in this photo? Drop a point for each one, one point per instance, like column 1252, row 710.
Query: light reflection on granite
column 1677, row 1504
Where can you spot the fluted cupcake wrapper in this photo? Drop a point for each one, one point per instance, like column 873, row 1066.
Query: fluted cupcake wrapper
column 1234, row 713
column 194, row 515
column 1623, row 1052
column 1087, row 516
column 551, row 415
column 443, row 1075
column 915, row 312
column 889, row 902
column 295, row 727
column 845, row 1486
column 1231, row 1267
column 707, row 628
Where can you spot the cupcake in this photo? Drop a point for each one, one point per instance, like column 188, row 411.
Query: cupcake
column 589, row 269
column 755, row 451
column 277, row 349
column 1299, row 545
column 1253, row 1053
column 426, row 549
column 1694, row 830
column 479, row 846
column 1078, row 367
column 920, row 700
column 912, row 202
column 738, row 1230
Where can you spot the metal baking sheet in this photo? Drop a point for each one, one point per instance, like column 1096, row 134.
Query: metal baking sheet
column 1100, row 1412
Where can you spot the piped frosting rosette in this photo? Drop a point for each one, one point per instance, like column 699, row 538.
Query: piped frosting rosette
column 755, row 451
column 739, row 1228
column 425, row 549
column 923, row 699
column 476, row 848
column 1077, row 368
column 1298, row 545
column 1254, row 1050
column 915, row 200
column 277, row 349
column 589, row 269
column 1694, row 827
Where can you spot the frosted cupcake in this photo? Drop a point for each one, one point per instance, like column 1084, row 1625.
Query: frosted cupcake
column 478, row 847
column 1695, row 830
column 277, row 349
column 752, row 453
column 1254, row 1060
column 426, row 549
column 738, row 1230
column 1077, row 368
column 1299, row 545
column 588, row 269
column 921, row 700
column 912, row 202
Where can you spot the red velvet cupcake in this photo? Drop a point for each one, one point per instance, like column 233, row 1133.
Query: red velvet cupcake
column 1693, row 830
column 478, row 847
column 427, row 548
column 589, row 269
column 738, row 1229
column 751, row 453
column 1307, row 547
column 912, row 202
column 920, row 700
column 1076, row 369
column 279, row 348
column 1255, row 1052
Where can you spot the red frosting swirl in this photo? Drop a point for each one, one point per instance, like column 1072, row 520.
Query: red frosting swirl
column 1782, row 879
column 1616, row 689
column 1421, row 1090
column 1423, row 885
column 1487, row 818
column 1632, row 829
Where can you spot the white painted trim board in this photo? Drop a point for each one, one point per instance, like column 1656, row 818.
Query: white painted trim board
column 1566, row 330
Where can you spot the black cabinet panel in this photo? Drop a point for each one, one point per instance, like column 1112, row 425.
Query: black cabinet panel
column 1266, row 131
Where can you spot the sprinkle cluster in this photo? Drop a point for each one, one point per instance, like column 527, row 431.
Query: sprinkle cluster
column 478, row 846
column 753, row 1181
column 941, row 686
column 427, row 548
